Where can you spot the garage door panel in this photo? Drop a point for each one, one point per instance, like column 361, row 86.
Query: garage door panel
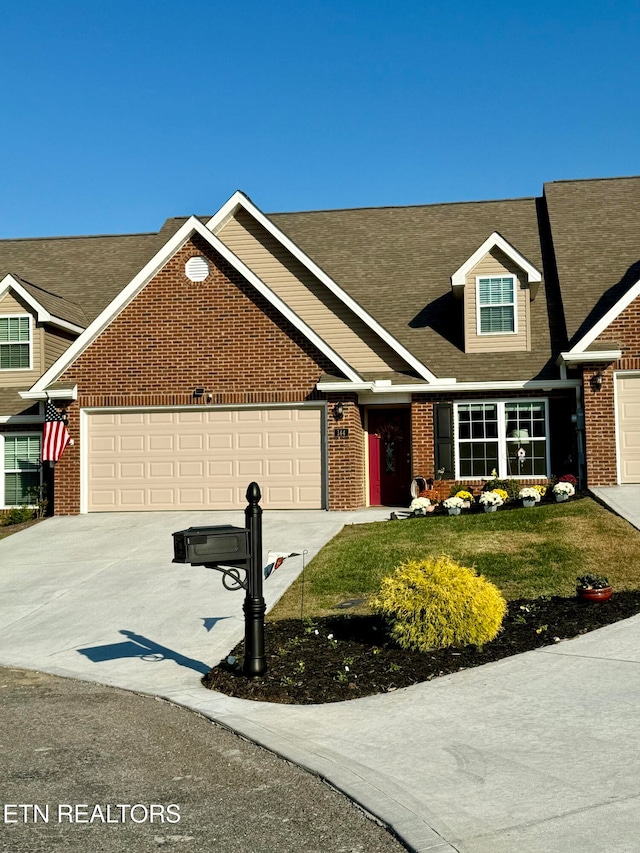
column 628, row 424
column 279, row 467
column 131, row 443
column 250, row 468
column 190, row 442
column 130, row 470
column 220, row 469
column 250, row 441
column 133, row 418
column 193, row 468
column 283, row 496
column 161, row 470
column 161, row 442
column 103, row 472
column 220, row 442
column 132, row 498
column 102, row 444
column 204, row 459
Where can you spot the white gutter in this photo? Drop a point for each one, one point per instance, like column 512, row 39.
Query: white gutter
column 589, row 355
column 58, row 394
column 422, row 388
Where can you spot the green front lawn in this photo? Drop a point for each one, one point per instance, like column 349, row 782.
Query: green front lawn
column 528, row 553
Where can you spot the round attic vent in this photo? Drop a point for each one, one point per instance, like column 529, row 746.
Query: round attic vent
column 197, row 268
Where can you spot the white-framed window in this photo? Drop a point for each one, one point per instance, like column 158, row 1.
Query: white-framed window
column 22, row 471
column 15, row 342
column 510, row 436
column 496, row 301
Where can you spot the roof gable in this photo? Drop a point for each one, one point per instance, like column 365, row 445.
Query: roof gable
column 127, row 294
column 47, row 307
column 495, row 240
column 239, row 199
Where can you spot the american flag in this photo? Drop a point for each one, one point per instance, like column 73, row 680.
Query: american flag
column 55, row 435
column 275, row 559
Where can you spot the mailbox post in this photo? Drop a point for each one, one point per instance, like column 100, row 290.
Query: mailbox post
column 254, row 604
column 231, row 550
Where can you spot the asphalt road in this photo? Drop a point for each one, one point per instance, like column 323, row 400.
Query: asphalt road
column 89, row 767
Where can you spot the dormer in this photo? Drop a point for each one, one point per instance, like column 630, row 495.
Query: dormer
column 36, row 326
column 496, row 285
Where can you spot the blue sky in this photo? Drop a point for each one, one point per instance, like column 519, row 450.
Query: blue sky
column 117, row 115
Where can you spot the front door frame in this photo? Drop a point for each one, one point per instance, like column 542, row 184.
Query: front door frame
column 375, row 493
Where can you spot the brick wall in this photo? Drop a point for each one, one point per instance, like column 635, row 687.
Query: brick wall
column 599, row 406
column 422, row 437
column 346, row 455
column 219, row 334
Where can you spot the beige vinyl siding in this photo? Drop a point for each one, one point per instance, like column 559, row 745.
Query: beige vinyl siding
column 13, row 378
column 301, row 291
column 55, row 343
column 496, row 263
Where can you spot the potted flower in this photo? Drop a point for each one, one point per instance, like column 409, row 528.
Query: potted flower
column 563, row 491
column 453, row 505
column 490, row 501
column 503, row 494
column 420, row 507
column 593, row 588
column 529, row 496
column 465, row 496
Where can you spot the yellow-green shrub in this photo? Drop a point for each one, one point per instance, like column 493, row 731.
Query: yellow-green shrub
column 436, row 603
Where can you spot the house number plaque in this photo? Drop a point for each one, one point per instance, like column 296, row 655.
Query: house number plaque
column 341, row 432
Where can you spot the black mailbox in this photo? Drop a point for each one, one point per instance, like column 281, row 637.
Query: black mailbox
column 224, row 544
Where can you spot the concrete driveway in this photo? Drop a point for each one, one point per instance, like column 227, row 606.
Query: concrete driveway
column 98, row 597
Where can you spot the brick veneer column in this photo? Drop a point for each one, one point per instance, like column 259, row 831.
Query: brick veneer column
column 422, row 439
column 346, row 456
column 600, row 428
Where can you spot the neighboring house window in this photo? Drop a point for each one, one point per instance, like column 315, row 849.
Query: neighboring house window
column 22, row 469
column 496, row 305
column 15, row 343
column 509, row 436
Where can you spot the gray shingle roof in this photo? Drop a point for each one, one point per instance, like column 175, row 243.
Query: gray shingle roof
column 596, row 237
column 397, row 262
column 11, row 403
column 54, row 304
column 80, row 273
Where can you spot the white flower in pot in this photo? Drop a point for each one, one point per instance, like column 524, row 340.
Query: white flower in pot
column 529, row 496
column 490, row 501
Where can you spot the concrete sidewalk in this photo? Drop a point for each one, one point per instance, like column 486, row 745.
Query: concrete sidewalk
column 536, row 753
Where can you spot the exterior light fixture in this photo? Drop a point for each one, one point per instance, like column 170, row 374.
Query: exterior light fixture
column 338, row 411
column 596, row 381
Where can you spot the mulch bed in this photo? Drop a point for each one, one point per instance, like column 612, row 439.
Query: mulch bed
column 346, row 657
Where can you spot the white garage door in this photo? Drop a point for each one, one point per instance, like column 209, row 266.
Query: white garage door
column 197, row 459
column 628, row 411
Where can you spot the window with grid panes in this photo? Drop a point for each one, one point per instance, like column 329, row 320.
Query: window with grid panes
column 489, row 436
column 496, row 305
column 22, row 469
column 15, row 343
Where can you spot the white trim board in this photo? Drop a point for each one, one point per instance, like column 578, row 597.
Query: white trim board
column 41, row 313
column 596, row 330
column 239, row 199
column 128, row 294
column 495, row 239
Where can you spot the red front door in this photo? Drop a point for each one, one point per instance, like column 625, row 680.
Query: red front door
column 389, row 457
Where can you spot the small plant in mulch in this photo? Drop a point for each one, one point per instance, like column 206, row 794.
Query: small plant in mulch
column 334, row 658
column 592, row 582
